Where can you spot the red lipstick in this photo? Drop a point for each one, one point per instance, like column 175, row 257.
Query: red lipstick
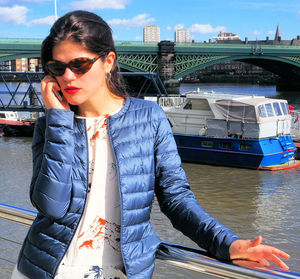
column 71, row 90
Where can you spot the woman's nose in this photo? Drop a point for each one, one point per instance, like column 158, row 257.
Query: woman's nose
column 68, row 74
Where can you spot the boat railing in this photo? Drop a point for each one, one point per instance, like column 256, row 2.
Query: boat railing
column 295, row 125
column 167, row 101
column 196, row 261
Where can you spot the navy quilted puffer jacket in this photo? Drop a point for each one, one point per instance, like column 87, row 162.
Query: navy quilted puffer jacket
column 147, row 162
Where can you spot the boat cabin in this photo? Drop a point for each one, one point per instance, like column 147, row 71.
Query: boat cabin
column 230, row 115
column 9, row 115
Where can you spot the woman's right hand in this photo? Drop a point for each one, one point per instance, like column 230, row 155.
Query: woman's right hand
column 49, row 91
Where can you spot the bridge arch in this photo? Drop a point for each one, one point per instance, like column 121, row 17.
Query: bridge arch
column 198, row 62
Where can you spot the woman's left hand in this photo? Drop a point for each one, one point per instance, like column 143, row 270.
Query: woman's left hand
column 253, row 250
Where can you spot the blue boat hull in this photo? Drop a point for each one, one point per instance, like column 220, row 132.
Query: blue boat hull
column 246, row 153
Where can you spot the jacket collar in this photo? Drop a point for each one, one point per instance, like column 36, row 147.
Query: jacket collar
column 123, row 110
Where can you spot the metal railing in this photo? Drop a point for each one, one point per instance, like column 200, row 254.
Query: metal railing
column 295, row 125
column 185, row 258
column 21, row 90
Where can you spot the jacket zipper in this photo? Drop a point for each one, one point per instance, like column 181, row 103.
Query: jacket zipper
column 87, row 185
column 119, row 189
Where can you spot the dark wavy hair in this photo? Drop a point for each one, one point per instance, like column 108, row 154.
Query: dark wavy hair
column 93, row 33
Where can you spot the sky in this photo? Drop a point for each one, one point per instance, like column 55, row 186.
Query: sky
column 255, row 19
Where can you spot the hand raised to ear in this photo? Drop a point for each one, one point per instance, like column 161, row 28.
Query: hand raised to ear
column 48, row 87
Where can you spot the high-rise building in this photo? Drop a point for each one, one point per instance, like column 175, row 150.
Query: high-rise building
column 151, row 34
column 182, row 36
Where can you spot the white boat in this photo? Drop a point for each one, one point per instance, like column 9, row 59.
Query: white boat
column 232, row 130
column 12, row 125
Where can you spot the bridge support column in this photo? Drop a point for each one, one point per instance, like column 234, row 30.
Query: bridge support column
column 166, row 66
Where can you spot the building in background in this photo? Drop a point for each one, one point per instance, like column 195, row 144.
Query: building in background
column 21, row 65
column 5, row 66
column 223, row 36
column 277, row 34
column 182, row 35
column 151, row 34
column 33, row 65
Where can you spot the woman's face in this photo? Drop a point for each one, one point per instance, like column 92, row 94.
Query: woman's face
column 82, row 89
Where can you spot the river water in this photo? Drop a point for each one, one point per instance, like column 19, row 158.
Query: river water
column 250, row 202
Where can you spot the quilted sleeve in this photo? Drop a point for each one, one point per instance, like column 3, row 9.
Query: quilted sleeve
column 52, row 153
column 178, row 202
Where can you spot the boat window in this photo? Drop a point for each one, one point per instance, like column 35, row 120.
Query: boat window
column 245, row 147
column 262, row 111
column 188, row 105
column 276, row 108
column 197, row 105
column 287, row 108
column 269, row 109
column 207, row 143
column 226, row 145
column 2, row 115
column 283, row 107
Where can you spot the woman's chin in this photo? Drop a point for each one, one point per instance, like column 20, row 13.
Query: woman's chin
column 74, row 101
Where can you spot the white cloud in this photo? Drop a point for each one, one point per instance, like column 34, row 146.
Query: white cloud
column 256, row 32
column 271, row 32
column 206, row 28
column 99, row 4
column 49, row 20
column 137, row 21
column 168, row 28
column 138, row 38
column 178, row 26
column 16, row 14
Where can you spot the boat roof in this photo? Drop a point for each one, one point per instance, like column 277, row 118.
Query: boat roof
column 253, row 100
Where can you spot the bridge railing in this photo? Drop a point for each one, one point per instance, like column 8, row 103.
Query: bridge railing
column 186, row 259
column 20, row 91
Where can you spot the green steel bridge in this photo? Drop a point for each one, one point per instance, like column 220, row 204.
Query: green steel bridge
column 174, row 61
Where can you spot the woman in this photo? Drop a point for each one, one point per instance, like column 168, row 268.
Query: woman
column 98, row 158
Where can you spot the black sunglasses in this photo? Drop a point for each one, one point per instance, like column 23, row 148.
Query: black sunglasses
column 79, row 65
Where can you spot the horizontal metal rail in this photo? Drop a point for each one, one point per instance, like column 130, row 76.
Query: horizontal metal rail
column 189, row 259
column 28, row 98
column 17, row 214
